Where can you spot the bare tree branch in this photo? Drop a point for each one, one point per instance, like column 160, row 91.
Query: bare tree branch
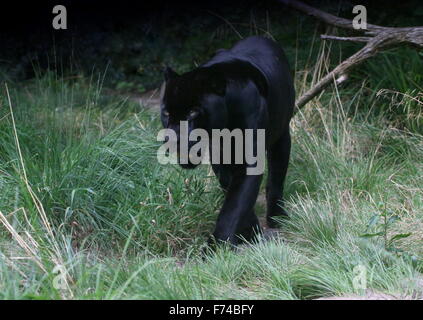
column 356, row 39
column 327, row 17
column 366, row 52
column 383, row 37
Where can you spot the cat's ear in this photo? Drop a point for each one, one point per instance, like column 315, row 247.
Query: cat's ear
column 169, row 73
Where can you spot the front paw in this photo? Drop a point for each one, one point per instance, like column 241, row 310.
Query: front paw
column 209, row 249
column 251, row 234
column 276, row 220
column 214, row 244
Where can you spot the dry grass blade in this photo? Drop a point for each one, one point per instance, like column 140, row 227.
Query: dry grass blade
column 34, row 197
column 22, row 243
column 56, row 258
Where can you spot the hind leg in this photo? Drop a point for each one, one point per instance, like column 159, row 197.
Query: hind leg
column 278, row 158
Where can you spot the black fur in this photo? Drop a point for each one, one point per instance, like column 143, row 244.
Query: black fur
column 249, row 87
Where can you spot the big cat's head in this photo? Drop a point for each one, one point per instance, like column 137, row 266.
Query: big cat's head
column 183, row 99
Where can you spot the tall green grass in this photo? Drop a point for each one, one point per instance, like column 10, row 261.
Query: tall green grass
column 395, row 78
column 81, row 191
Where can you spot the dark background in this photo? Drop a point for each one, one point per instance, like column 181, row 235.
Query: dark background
column 123, row 35
column 24, row 18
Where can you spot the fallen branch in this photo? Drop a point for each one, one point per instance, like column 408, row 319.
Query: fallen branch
column 379, row 38
column 356, row 39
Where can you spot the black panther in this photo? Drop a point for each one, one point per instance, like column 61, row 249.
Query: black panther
column 248, row 87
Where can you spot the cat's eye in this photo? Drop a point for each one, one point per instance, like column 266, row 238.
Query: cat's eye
column 193, row 114
column 165, row 113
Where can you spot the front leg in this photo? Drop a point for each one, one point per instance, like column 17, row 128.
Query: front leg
column 237, row 213
column 249, row 228
column 223, row 174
